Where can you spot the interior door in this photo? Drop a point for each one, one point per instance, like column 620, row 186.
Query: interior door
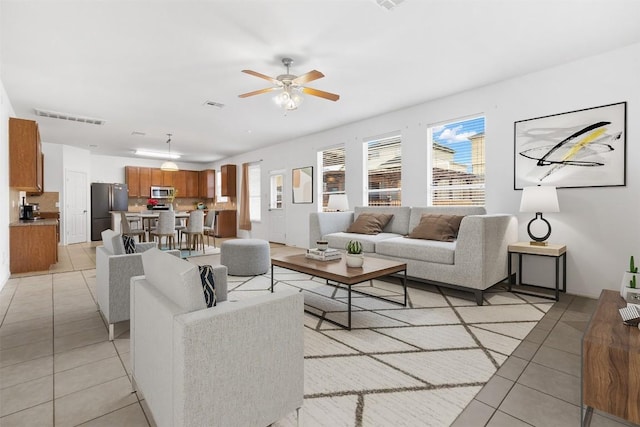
column 277, row 214
column 75, row 195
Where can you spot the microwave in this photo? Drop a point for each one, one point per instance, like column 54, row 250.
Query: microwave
column 162, row 192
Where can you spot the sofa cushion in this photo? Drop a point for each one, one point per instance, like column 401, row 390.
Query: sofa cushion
column 399, row 224
column 418, row 249
column 369, row 223
column 175, row 278
column 368, row 241
column 112, row 242
column 443, row 228
column 416, row 213
column 208, row 284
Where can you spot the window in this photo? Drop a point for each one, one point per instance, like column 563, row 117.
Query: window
column 331, row 166
column 457, row 163
column 276, row 190
column 254, row 192
column 384, row 171
column 219, row 197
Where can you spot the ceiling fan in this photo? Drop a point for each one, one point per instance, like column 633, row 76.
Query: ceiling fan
column 292, row 87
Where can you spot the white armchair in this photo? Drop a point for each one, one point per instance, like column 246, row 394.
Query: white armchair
column 240, row 363
column 114, row 270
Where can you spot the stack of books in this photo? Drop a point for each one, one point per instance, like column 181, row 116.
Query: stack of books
column 326, row 255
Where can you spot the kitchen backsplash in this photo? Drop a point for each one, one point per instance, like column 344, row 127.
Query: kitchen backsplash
column 182, row 204
column 47, row 201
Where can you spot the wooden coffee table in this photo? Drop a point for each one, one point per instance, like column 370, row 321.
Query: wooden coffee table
column 338, row 272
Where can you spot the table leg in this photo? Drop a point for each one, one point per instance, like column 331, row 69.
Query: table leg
column 271, row 278
column 519, row 269
column 509, row 270
column 564, row 272
column 349, row 327
column 557, row 278
column 404, row 286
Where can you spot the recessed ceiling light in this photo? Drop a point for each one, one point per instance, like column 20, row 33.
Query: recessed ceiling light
column 136, row 133
column 93, row 146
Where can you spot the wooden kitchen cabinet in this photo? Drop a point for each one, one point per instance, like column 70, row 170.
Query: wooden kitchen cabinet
column 132, row 179
column 26, row 162
column 207, row 184
column 192, row 184
column 180, row 183
column 138, row 181
column 228, row 180
column 156, row 177
column 33, row 247
column 225, row 223
column 167, row 178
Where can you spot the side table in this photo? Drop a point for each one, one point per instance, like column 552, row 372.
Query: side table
column 554, row 251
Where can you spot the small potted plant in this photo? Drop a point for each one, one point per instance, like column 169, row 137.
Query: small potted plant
column 354, row 254
column 629, row 280
column 151, row 203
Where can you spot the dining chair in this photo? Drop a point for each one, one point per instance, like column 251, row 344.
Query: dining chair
column 128, row 231
column 195, row 230
column 166, row 227
column 210, row 227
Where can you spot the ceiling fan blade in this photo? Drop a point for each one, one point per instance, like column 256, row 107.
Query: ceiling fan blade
column 258, row 92
column 262, row 76
column 309, row 77
column 321, row 93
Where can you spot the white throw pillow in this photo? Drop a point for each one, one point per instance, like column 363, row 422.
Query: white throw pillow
column 112, row 242
column 175, row 278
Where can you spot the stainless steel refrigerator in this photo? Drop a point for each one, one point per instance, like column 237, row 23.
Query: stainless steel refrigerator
column 104, row 199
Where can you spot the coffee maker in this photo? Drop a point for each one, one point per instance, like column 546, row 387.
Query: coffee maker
column 26, row 211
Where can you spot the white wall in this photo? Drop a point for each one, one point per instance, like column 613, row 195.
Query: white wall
column 6, row 111
column 599, row 225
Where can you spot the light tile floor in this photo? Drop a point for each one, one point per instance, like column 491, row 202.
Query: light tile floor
column 58, row 368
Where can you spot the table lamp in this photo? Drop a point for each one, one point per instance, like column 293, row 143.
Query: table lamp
column 539, row 199
column 338, row 202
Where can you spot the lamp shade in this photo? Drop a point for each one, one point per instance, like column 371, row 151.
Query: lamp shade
column 338, row 202
column 169, row 166
column 539, row 199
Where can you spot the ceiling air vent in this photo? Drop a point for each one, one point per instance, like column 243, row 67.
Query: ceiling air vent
column 389, row 4
column 67, row 116
column 214, row 104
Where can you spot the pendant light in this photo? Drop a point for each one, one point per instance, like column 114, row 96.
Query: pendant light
column 169, row 166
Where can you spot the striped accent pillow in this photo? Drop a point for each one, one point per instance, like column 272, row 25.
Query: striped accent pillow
column 206, row 277
column 129, row 244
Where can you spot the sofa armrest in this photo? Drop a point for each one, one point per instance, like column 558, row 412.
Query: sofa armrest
column 145, row 246
column 323, row 223
column 481, row 248
column 113, row 273
column 151, row 347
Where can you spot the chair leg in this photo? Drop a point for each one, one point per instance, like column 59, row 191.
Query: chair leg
column 298, row 416
column 111, row 332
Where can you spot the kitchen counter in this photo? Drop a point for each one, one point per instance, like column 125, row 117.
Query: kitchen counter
column 39, row 221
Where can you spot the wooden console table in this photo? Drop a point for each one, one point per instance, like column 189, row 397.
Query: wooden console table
column 610, row 362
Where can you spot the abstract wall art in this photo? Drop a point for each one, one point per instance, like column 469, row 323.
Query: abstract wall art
column 302, row 179
column 583, row 148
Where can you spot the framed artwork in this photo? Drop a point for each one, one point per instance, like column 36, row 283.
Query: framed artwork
column 302, row 184
column 583, row 148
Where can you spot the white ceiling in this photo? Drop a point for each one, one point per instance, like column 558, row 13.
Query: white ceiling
column 148, row 66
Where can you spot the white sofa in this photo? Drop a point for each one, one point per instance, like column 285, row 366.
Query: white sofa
column 114, row 270
column 475, row 261
column 236, row 364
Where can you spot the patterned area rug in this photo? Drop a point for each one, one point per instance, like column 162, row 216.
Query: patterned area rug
column 399, row 366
